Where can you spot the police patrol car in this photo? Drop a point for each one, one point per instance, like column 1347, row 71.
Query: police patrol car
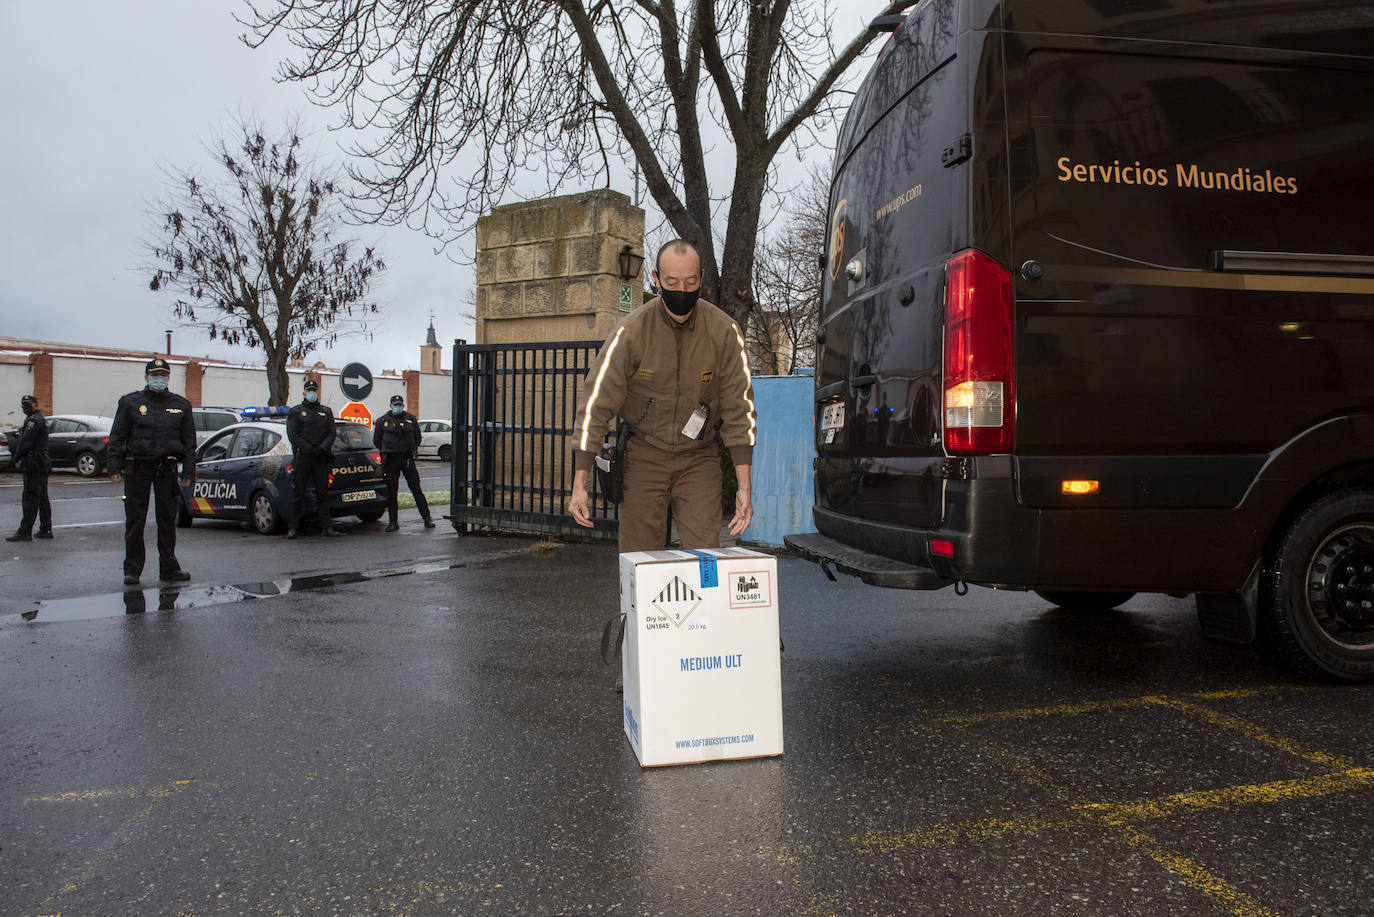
column 243, row 473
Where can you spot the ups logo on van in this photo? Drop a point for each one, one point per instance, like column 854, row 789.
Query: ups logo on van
column 837, row 239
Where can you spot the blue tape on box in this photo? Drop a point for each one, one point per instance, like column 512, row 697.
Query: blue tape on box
column 709, row 577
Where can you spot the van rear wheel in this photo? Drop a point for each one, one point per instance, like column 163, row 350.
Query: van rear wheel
column 1319, row 620
column 1086, row 601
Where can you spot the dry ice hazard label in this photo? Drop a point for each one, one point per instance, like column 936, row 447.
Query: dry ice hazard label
column 676, row 600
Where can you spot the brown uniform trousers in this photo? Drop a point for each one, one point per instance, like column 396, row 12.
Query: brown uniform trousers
column 654, row 478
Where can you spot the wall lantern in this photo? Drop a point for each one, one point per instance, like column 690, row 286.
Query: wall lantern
column 630, row 263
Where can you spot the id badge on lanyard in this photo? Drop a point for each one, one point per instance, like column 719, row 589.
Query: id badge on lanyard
column 697, row 422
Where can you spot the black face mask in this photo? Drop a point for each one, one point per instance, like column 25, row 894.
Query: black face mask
column 29, row 407
column 680, row 302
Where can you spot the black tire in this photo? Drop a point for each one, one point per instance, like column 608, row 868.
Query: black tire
column 371, row 515
column 1086, row 601
column 87, row 464
column 263, row 514
column 184, row 516
column 1319, row 617
column 445, row 453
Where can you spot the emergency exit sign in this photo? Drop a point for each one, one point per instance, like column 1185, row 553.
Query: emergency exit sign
column 626, row 297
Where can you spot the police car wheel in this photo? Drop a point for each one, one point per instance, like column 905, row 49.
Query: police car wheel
column 87, row 464
column 1086, row 601
column 265, row 517
column 184, row 516
column 1318, row 619
column 371, row 515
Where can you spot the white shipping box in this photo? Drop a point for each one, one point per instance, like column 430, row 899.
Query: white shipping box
column 701, row 659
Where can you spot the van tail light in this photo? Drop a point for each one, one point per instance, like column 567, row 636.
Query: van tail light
column 979, row 389
column 376, row 458
column 105, row 440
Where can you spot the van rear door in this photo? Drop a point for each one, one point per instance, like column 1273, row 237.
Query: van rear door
column 898, row 209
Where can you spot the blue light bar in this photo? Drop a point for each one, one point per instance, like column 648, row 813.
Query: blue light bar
column 252, row 411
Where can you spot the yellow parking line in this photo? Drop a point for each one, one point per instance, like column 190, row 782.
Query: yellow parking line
column 1259, row 734
column 1117, row 814
column 1196, row 875
column 1117, row 703
column 1230, row 797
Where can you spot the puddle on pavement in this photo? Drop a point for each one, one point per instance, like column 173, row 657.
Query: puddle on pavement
column 185, row 598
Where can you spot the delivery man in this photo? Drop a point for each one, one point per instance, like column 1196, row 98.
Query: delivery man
column 675, row 370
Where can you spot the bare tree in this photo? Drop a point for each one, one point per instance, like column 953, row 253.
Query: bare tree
column 255, row 254
column 784, row 316
column 494, row 90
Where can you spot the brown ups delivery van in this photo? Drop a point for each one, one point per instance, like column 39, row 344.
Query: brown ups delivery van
column 1098, row 314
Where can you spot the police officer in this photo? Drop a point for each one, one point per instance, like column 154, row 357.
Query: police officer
column 397, row 435
column 30, row 456
column 153, row 432
column 310, row 428
column 676, row 371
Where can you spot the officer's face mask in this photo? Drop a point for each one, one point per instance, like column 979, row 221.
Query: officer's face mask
column 312, row 397
column 158, row 383
column 28, row 407
column 398, row 409
column 680, row 302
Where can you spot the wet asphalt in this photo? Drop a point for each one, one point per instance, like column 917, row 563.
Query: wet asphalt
column 420, row 723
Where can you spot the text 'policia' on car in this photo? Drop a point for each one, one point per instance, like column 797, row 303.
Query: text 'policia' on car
column 1098, row 314
column 243, row 473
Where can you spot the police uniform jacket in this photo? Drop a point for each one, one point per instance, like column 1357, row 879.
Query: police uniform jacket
column 150, row 426
column 654, row 372
column 310, row 428
column 396, row 434
column 33, row 439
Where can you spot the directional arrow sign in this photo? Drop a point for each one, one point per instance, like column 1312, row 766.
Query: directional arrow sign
column 356, row 381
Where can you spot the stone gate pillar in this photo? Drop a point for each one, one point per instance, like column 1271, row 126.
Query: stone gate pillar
column 548, row 270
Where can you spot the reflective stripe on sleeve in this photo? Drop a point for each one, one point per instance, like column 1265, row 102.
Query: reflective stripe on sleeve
column 748, row 382
column 596, row 391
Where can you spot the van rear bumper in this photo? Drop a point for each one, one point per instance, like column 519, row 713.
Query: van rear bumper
column 995, row 541
column 998, row 541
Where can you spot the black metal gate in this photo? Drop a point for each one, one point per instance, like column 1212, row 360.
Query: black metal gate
column 513, row 417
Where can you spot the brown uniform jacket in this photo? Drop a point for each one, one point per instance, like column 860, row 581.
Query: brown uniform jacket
column 654, row 372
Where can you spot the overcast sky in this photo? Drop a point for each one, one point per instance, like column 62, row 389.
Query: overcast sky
column 100, row 99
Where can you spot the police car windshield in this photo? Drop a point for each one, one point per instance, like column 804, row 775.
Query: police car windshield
column 351, row 437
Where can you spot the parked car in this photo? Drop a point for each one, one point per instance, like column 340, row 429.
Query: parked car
column 211, row 420
column 5, row 449
column 79, row 441
column 243, row 473
column 436, row 438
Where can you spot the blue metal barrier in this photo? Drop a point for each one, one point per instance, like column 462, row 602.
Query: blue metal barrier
column 781, row 477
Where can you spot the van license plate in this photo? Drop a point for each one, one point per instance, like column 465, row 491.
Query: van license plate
column 832, row 421
column 358, row 496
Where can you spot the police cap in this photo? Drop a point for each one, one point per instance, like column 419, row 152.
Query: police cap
column 311, row 386
column 397, row 399
column 29, row 399
column 156, row 365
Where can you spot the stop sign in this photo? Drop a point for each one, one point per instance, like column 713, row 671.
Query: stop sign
column 357, row 412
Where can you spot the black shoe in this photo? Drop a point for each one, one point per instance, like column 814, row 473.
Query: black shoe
column 292, row 533
column 429, row 523
column 331, row 533
column 19, row 536
column 175, row 574
column 392, row 527
column 46, row 534
column 131, row 579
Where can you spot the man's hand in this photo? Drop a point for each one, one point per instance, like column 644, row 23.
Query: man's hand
column 116, row 478
column 744, row 512
column 744, row 507
column 186, row 482
column 577, row 506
